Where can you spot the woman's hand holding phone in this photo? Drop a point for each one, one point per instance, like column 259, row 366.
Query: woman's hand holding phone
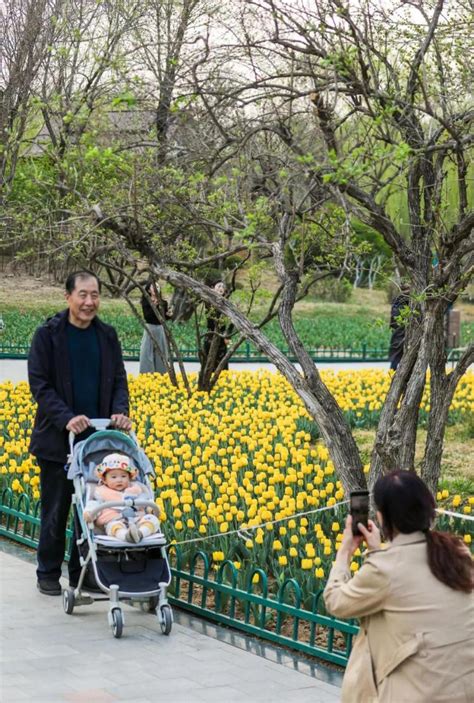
column 371, row 535
column 351, row 542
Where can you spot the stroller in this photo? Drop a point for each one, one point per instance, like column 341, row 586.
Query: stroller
column 138, row 573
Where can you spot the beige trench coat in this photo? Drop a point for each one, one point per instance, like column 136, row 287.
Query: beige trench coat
column 416, row 640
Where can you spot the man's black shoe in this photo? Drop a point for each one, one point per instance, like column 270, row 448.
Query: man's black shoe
column 49, row 587
column 89, row 584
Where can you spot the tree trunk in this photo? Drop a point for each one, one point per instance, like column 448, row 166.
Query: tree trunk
column 408, row 420
column 388, row 453
column 327, row 414
column 442, row 389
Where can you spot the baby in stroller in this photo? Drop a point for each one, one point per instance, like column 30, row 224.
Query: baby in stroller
column 126, row 550
column 116, row 475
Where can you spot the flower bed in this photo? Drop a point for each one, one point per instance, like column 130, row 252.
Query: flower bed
column 238, row 468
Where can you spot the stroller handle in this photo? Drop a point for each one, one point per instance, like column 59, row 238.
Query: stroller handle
column 120, row 504
column 98, row 423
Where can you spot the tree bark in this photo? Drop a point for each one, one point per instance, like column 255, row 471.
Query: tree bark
column 442, row 388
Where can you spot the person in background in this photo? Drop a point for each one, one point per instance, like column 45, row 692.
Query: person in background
column 76, row 373
column 397, row 340
column 413, row 598
column 154, row 348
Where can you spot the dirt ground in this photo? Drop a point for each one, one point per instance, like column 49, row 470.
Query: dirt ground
column 28, row 292
column 21, row 288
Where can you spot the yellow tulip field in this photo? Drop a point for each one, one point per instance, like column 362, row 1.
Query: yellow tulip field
column 236, row 469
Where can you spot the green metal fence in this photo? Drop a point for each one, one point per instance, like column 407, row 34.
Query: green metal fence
column 245, row 354
column 276, row 616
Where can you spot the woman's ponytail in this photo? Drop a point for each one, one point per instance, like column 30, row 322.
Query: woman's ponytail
column 408, row 506
column 450, row 560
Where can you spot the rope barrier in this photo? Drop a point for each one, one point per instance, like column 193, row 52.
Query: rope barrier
column 459, row 515
column 244, row 532
column 241, row 530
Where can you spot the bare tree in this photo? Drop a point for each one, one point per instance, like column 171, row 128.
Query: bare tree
column 25, row 28
column 80, row 74
column 167, row 43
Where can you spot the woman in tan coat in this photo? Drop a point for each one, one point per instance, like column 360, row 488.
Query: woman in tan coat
column 413, row 598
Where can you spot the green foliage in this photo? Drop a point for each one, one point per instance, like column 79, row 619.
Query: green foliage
column 459, row 484
column 369, row 236
column 318, row 239
column 257, row 220
column 126, row 99
column 304, row 424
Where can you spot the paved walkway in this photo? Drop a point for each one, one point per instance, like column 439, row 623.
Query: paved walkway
column 47, row 656
column 15, row 369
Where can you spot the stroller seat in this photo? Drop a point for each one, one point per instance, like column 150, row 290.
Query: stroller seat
column 125, row 571
column 155, row 540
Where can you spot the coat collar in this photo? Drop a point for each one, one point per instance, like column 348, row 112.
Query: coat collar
column 402, row 539
column 59, row 321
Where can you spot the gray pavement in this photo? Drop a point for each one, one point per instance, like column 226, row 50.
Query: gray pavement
column 47, row 656
column 15, row 369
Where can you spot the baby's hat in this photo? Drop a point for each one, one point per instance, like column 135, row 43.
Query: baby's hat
column 115, row 461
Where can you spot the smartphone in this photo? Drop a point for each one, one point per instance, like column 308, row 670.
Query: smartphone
column 359, row 508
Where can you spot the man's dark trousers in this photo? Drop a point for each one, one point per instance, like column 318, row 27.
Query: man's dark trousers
column 56, row 492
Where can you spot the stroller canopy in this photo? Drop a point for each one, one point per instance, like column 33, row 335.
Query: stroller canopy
column 90, row 452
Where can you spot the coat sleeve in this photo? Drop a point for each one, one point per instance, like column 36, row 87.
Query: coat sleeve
column 364, row 594
column 40, row 376
column 120, row 403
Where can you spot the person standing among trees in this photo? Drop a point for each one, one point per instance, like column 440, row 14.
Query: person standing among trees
column 154, row 348
column 76, row 373
column 397, row 340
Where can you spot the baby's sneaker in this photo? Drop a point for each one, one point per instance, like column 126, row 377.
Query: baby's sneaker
column 134, row 534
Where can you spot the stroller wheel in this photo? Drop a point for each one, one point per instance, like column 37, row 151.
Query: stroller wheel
column 117, row 622
column 166, row 619
column 68, row 600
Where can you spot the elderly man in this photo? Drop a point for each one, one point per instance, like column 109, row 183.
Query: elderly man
column 76, row 372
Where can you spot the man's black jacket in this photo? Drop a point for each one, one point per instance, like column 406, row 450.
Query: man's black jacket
column 49, row 376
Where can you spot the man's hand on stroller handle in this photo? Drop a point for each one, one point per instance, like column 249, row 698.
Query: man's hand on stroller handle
column 121, row 422
column 78, row 424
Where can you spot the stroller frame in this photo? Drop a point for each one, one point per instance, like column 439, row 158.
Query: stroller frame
column 92, row 547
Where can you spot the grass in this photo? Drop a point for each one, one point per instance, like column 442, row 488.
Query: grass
column 457, row 471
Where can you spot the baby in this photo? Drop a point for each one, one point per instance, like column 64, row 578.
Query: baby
column 116, row 476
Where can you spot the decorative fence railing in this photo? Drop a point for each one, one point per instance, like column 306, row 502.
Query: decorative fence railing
column 246, row 353
column 277, row 617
